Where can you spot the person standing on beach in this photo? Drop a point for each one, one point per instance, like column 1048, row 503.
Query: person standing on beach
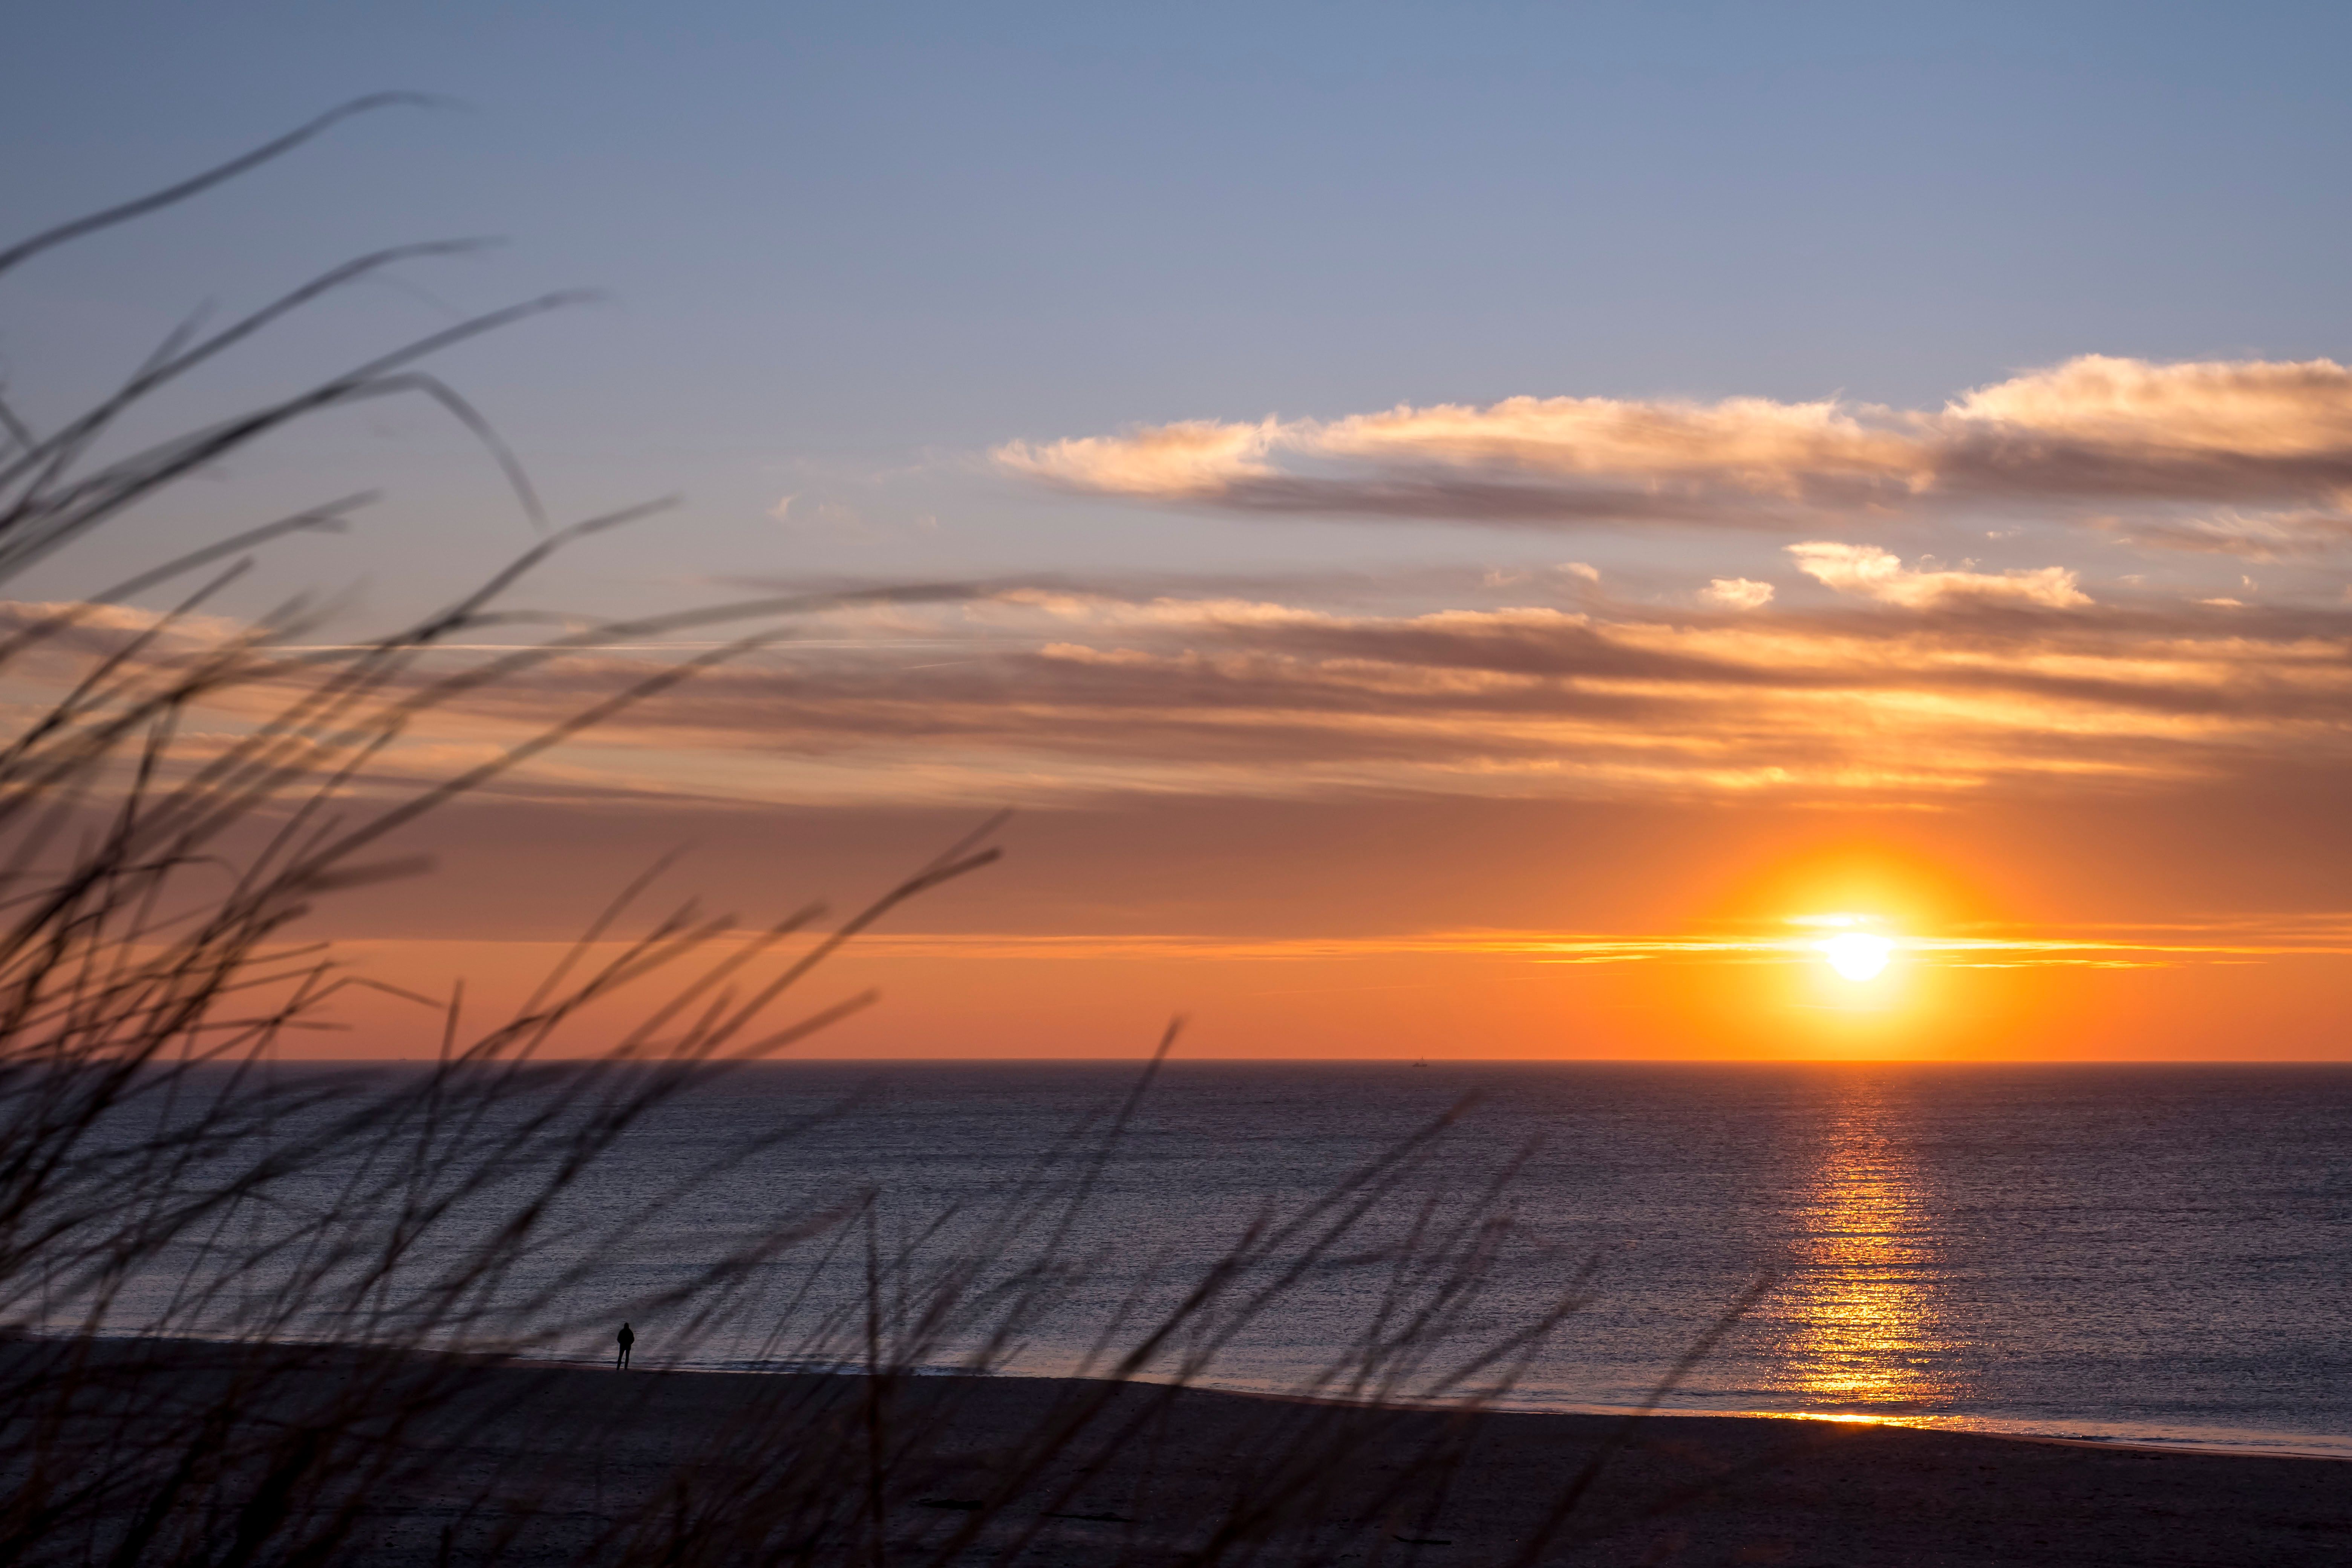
column 625, row 1338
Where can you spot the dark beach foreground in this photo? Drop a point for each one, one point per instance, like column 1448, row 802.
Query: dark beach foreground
column 470, row 1461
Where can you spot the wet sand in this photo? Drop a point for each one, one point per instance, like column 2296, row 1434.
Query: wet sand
column 553, row 1464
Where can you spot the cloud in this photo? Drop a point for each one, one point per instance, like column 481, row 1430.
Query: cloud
column 75, row 629
column 1985, row 681
column 1880, row 574
column 2147, row 946
column 1737, row 593
column 1072, row 695
column 2247, row 408
column 2269, row 537
column 1194, row 457
column 2168, row 440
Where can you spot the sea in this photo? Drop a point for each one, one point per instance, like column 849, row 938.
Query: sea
column 2157, row 1255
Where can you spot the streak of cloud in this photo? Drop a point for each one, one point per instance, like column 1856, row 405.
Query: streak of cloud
column 2229, row 941
column 1880, row 574
column 2252, row 455
column 1061, row 694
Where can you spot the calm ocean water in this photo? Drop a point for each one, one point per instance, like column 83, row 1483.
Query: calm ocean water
column 2142, row 1253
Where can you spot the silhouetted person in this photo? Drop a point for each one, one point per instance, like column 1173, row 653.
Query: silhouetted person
column 625, row 1338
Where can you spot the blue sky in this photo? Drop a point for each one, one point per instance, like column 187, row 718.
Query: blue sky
column 847, row 250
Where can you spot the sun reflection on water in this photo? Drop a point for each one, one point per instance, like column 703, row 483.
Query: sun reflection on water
column 1860, row 1312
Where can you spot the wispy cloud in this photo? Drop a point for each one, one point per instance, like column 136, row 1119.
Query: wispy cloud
column 1737, row 592
column 1065, row 694
column 1880, row 574
column 1787, row 942
column 1982, row 680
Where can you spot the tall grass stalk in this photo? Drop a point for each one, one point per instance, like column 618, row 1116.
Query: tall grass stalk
column 258, row 1314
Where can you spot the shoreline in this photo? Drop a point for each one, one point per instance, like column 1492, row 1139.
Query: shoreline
column 2280, row 1445
column 2257, row 1445
column 550, row 1462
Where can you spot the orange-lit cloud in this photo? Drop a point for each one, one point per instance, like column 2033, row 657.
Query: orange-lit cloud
column 1737, row 592
column 1880, row 574
column 1969, row 681
column 1064, row 696
column 1792, row 940
column 2246, row 450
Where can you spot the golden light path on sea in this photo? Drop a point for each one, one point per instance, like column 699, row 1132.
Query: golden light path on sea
column 1859, row 1313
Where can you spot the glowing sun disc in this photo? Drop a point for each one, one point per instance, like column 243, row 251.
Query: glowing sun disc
column 1856, row 955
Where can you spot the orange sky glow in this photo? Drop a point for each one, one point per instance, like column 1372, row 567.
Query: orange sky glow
column 1298, row 937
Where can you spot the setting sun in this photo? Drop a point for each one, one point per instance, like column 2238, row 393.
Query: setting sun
column 1857, row 956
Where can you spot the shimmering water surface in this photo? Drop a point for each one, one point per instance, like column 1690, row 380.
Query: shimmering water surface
column 2150, row 1253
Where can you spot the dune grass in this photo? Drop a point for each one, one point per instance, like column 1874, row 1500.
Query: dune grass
column 251, row 1309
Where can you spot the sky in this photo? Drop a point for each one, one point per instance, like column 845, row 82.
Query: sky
column 1485, row 530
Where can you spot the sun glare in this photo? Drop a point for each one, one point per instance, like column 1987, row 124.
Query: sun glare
column 1857, row 956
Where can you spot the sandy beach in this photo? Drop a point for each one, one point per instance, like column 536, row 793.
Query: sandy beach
column 549, row 1465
